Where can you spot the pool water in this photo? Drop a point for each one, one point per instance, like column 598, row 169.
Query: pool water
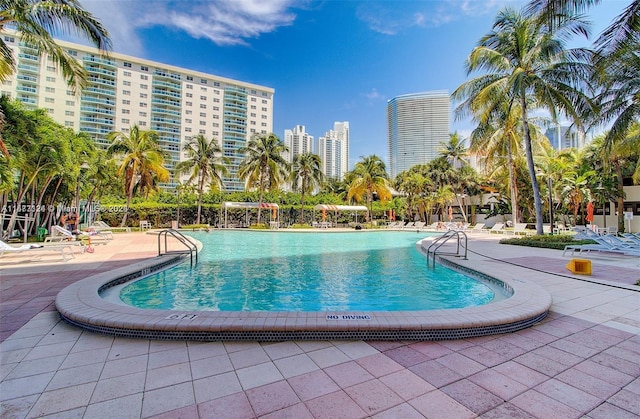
column 295, row 271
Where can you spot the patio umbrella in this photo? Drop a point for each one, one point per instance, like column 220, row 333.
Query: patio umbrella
column 590, row 212
column 324, row 214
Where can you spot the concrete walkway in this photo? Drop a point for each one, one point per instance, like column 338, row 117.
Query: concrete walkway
column 582, row 361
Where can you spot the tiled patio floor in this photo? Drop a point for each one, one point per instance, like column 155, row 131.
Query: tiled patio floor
column 582, row 361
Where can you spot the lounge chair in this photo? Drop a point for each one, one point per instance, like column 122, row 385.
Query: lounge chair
column 609, row 244
column 478, row 228
column 497, row 228
column 64, row 249
column 410, row 226
column 419, row 225
column 59, row 234
column 518, row 229
column 144, row 225
column 101, row 225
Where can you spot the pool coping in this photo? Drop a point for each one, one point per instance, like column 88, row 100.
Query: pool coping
column 80, row 304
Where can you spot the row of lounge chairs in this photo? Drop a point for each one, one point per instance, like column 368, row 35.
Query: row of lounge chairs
column 61, row 241
column 626, row 244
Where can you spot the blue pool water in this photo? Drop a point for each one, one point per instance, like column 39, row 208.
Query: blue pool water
column 293, row 271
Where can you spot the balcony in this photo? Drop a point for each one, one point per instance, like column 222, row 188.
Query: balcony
column 98, row 91
column 29, row 57
column 99, row 80
column 159, row 92
column 27, row 100
column 168, row 84
column 91, row 109
column 99, row 60
column 100, row 121
column 27, row 79
column 166, row 74
column 161, row 128
column 91, row 99
column 97, row 70
column 94, row 130
column 231, row 89
column 172, row 103
column 165, row 120
column 26, row 89
column 235, row 122
column 237, row 114
column 28, row 68
column 164, row 111
column 233, row 97
column 235, row 106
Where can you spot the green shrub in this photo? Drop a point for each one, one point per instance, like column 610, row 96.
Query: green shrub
column 301, row 226
column 557, row 242
column 258, row 227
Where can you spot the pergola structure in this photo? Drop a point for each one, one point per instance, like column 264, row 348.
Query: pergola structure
column 335, row 208
column 275, row 209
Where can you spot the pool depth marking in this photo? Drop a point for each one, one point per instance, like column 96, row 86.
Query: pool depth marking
column 348, row 317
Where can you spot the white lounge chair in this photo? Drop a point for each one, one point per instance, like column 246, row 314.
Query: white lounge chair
column 144, row 225
column 497, row 228
column 65, row 250
column 101, row 225
column 518, row 229
column 478, row 228
column 59, row 234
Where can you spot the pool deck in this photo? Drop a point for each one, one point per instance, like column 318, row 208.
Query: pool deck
column 581, row 361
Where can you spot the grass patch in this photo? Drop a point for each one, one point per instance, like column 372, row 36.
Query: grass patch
column 301, row 226
column 557, row 242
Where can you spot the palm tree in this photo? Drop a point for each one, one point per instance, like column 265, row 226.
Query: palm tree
column 370, row 177
column 206, row 164
column 455, row 150
column 35, row 19
column 306, row 175
column 264, row 166
column 523, row 58
column 140, row 157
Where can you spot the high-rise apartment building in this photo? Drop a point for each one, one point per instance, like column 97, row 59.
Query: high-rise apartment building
column 333, row 149
column 298, row 141
column 417, row 123
column 562, row 137
column 124, row 91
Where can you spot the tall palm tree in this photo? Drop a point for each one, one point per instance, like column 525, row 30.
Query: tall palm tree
column 455, row 150
column 370, row 177
column 206, row 164
column 306, row 175
column 36, row 19
column 140, row 157
column 264, row 166
column 522, row 58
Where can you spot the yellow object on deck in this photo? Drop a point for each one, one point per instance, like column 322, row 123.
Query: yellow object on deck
column 580, row 266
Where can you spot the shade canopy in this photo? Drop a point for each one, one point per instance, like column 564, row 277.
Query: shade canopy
column 249, row 205
column 340, row 207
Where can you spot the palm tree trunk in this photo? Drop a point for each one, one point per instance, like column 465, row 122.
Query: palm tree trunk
column 620, row 204
column 513, row 187
column 537, row 201
column 200, row 192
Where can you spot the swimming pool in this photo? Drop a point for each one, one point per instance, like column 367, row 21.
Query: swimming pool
column 293, row 271
column 82, row 304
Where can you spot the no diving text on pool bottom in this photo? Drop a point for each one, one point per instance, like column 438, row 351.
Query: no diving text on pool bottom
column 348, row 317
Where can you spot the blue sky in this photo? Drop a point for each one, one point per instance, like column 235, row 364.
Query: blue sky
column 333, row 60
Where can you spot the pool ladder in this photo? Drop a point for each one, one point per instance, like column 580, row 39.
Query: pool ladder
column 191, row 247
column 434, row 246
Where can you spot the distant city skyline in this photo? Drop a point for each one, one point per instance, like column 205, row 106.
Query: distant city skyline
column 376, row 50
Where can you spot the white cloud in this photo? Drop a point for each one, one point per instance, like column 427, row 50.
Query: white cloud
column 225, row 22
column 374, row 96
column 390, row 18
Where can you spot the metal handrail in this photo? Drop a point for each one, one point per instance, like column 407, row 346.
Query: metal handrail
column 440, row 241
column 192, row 249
